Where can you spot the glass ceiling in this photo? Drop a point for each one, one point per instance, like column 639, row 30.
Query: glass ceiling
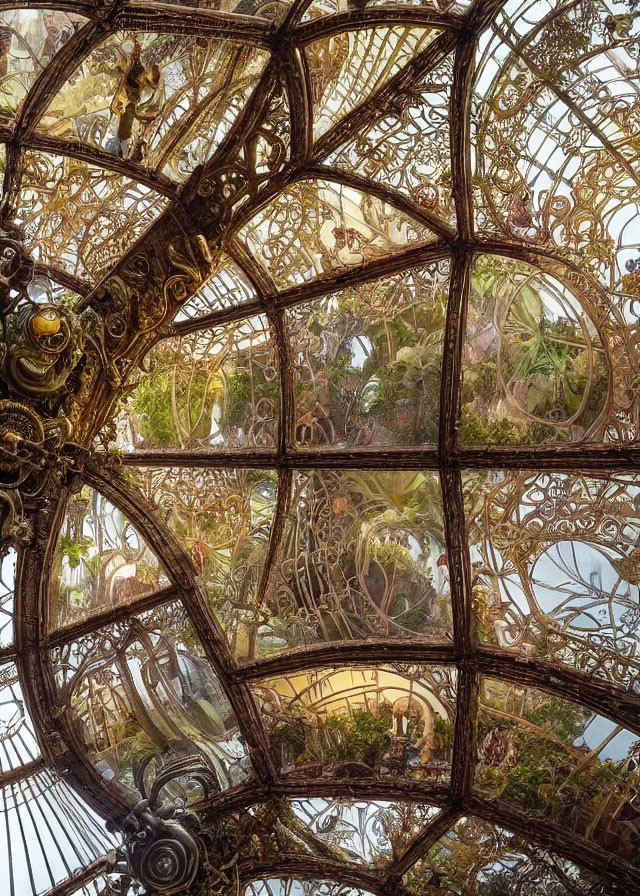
column 319, row 464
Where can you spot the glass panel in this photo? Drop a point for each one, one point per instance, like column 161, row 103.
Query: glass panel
column 225, row 289
column 283, row 886
column 555, row 568
column 409, row 150
column 346, row 68
column 223, row 520
column 29, row 39
column 79, row 217
column 43, row 290
column 100, row 561
column 47, row 832
column 535, row 367
column 553, row 757
column 142, row 688
column 8, row 560
column 556, row 152
column 165, row 101
column 367, row 361
column 18, row 744
column 315, row 227
column 362, row 722
column 216, row 388
column 478, row 857
column 362, row 556
column 360, row 831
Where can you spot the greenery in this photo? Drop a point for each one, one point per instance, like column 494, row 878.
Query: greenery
column 74, row 549
column 545, row 776
column 360, row 736
column 474, row 430
column 444, row 729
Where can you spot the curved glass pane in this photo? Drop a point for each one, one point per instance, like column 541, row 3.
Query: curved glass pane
column 157, row 99
column 537, row 359
column 483, row 856
column 48, row 832
column 315, row 227
column 346, row 68
column 29, row 41
column 361, row 831
column 361, row 722
column 223, row 519
column 410, row 150
column 363, row 555
column 367, row 362
column 8, row 560
column 555, row 570
column 143, row 689
column 101, row 561
column 79, row 217
column 214, row 389
column 556, row 758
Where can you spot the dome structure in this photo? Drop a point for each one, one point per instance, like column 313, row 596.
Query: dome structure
column 319, row 465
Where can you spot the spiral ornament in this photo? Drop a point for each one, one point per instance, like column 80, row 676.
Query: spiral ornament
column 170, row 862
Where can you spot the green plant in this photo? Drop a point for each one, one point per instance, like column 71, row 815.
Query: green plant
column 74, row 549
column 362, row 736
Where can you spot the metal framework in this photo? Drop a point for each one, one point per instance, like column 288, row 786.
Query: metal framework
column 136, row 300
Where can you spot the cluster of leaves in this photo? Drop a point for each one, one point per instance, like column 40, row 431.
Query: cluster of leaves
column 523, row 359
column 74, row 550
column 361, row 736
column 477, row 858
column 397, row 387
column 545, row 777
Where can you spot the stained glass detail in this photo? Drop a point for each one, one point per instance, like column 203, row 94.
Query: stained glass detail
column 346, row 68
column 361, row 722
column 554, row 757
column 228, row 287
column 101, row 561
column 554, row 568
column 315, row 227
column 80, row 217
column 29, row 41
column 143, row 689
column 164, row 101
column 363, row 555
column 476, row 853
column 47, row 832
column 409, row 150
column 223, row 519
column 367, row 362
column 214, row 389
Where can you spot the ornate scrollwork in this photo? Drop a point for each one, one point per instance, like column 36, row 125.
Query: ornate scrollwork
column 161, row 847
column 43, row 361
column 16, row 267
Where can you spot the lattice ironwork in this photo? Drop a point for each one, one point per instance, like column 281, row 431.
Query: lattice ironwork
column 319, row 467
